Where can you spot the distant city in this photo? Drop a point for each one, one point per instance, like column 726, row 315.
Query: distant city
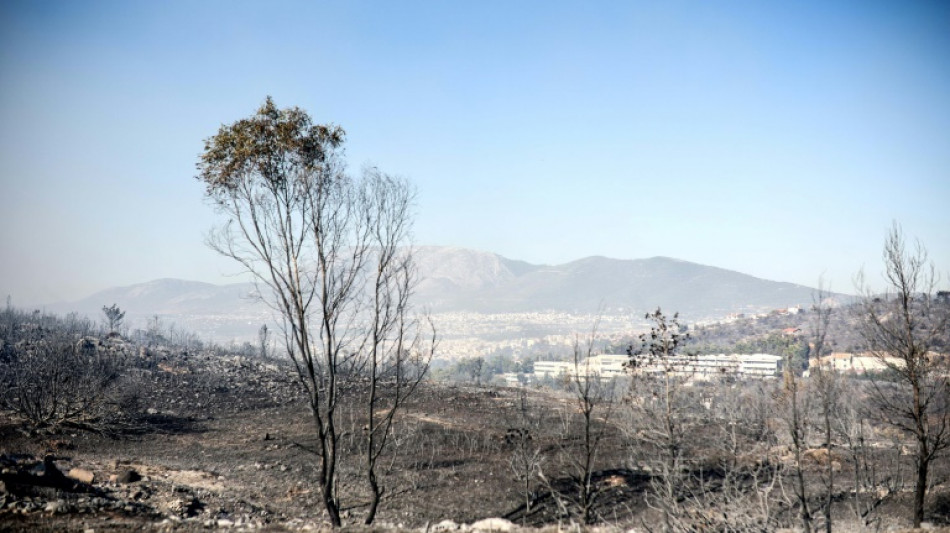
column 483, row 304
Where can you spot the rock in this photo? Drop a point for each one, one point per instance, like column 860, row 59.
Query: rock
column 57, row 506
column 47, row 469
column 493, row 524
column 445, row 525
column 128, row 476
column 81, row 474
column 187, row 508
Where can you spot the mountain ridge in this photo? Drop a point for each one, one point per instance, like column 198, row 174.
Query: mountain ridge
column 596, row 283
column 454, row 279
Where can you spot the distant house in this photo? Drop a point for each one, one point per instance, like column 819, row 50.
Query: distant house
column 787, row 311
column 512, row 379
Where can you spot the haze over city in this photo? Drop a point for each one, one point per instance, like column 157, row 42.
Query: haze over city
column 777, row 140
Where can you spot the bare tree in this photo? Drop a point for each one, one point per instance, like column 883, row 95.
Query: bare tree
column 472, row 368
column 526, row 459
column 664, row 407
column 704, row 438
column 155, row 330
column 874, row 482
column 796, row 407
column 826, row 384
column 328, row 253
column 736, row 489
column 477, row 369
column 584, row 428
column 263, row 338
column 396, row 353
column 901, row 328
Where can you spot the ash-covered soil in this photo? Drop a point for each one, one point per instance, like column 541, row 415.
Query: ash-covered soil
column 198, row 450
column 221, row 441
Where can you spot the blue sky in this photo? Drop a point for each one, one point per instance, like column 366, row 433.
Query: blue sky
column 779, row 139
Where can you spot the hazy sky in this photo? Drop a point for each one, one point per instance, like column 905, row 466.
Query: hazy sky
column 779, row 139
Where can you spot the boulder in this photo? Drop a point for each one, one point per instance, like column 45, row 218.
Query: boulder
column 128, row 476
column 83, row 475
column 57, row 506
column 493, row 524
column 49, row 475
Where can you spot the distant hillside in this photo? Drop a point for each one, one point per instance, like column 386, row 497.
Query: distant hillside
column 464, row 280
column 458, row 279
column 171, row 297
column 215, row 312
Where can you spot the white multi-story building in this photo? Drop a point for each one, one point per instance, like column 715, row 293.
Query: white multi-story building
column 698, row 367
column 761, row 365
column 552, row 369
column 606, row 365
column 709, row 366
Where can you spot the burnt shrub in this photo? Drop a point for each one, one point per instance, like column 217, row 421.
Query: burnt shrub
column 53, row 380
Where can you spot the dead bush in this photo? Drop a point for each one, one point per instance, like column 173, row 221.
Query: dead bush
column 54, row 381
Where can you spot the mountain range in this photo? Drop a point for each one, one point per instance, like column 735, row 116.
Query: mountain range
column 463, row 280
column 458, row 279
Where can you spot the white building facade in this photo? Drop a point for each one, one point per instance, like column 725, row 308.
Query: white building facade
column 697, row 368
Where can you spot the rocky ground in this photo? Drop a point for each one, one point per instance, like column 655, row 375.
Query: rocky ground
column 154, row 468
column 220, row 442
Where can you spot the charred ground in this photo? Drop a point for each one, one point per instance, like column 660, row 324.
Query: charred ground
column 211, row 439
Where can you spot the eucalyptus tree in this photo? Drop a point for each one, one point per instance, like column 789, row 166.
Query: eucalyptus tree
column 330, row 254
